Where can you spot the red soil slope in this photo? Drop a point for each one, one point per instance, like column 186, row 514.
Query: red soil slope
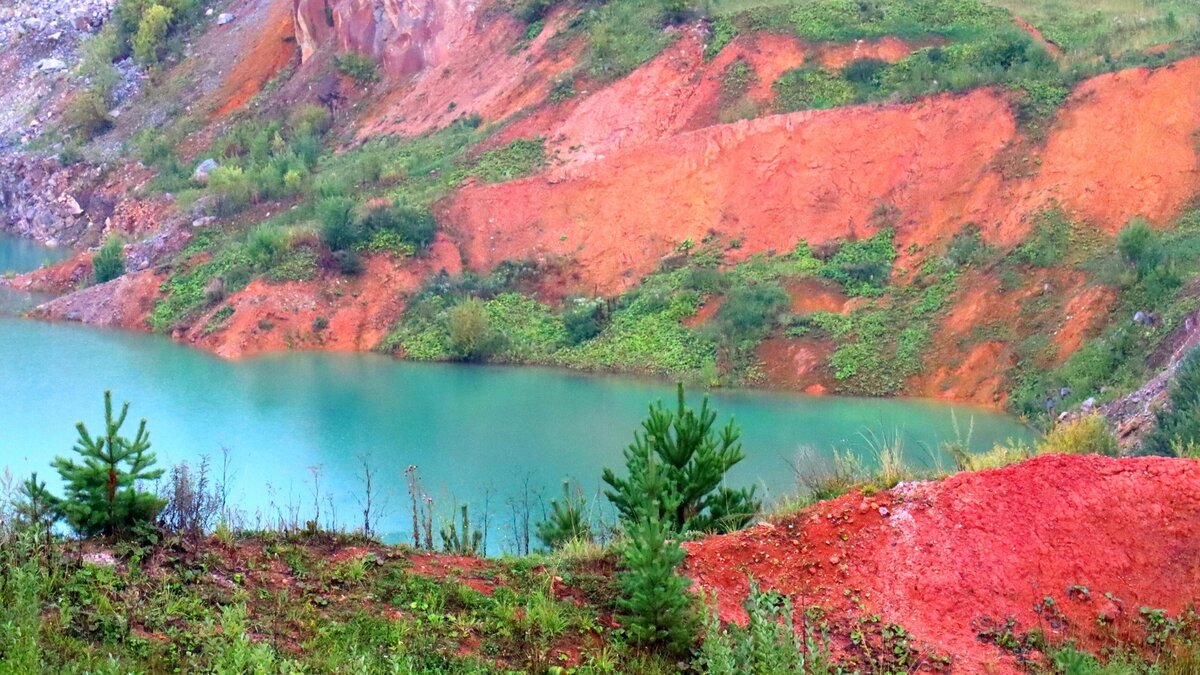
column 948, row 559
column 819, row 175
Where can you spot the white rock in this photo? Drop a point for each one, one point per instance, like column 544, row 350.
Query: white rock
column 224, row 18
column 51, row 65
column 200, row 175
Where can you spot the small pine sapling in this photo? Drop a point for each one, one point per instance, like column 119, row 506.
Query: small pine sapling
column 566, row 521
column 694, row 460
column 102, row 495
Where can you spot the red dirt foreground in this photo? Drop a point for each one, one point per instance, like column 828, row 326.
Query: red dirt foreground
column 1071, row 546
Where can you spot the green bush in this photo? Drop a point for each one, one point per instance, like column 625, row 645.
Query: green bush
column 358, row 67
column 150, row 39
column 414, row 227
column 749, row 312
column 864, row 266
column 1141, row 247
column 769, row 643
column 109, row 261
column 470, row 330
column 87, row 113
column 335, row 216
column 566, row 521
column 967, row 247
column 584, row 320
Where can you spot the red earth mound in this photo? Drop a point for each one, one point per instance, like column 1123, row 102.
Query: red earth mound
column 1073, row 546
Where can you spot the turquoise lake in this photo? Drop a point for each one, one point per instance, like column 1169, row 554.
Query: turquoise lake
column 471, row 430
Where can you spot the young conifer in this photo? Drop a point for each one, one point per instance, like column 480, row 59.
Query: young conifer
column 102, row 496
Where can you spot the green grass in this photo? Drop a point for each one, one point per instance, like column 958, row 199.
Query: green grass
column 1090, row 28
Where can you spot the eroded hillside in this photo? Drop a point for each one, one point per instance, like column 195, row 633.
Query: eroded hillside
column 907, row 198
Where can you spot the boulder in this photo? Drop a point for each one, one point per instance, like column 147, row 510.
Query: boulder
column 224, row 18
column 200, row 175
column 51, row 65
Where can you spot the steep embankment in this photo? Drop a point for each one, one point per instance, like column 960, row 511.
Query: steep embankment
column 648, row 164
column 1073, row 546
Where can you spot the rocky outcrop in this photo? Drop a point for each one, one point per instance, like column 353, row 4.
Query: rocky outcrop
column 404, row 35
column 53, row 204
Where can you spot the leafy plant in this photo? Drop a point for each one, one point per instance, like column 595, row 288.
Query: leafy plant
column 109, row 261
column 358, row 67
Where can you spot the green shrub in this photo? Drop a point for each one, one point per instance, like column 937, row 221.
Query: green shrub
column 1141, row 247
column 566, row 521
column 864, row 71
column 335, row 216
column 1086, row 435
column 967, row 247
column 811, row 88
column 749, row 312
column 109, row 261
column 584, row 320
column 87, row 113
column 359, row 67
column 768, row 644
column 150, row 39
column 414, row 227
column 864, row 266
column 471, row 335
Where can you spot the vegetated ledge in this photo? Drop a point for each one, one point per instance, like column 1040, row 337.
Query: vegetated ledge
column 982, row 567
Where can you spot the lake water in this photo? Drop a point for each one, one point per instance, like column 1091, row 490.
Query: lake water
column 471, row 430
column 22, row 255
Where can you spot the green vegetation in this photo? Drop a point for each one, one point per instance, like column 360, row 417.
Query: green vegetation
column 1177, row 424
column 811, row 88
column 109, row 261
column 358, row 67
column 1148, row 268
column 515, row 160
column 102, row 490
column 676, row 472
column 678, row 465
column 301, row 599
column 566, row 522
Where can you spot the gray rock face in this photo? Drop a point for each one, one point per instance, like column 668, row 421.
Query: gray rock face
column 47, row 202
column 200, row 175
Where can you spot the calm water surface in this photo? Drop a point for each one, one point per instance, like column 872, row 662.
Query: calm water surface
column 471, row 430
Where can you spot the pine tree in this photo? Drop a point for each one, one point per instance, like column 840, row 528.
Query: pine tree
column 35, row 507
column 694, row 461
column 656, row 607
column 101, row 490
column 566, row 521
